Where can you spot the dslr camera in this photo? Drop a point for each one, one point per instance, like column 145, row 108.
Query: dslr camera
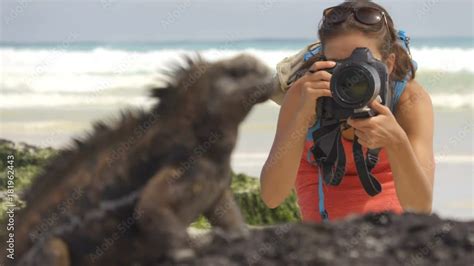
column 356, row 81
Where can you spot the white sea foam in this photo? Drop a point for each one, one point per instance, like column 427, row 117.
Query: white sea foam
column 444, row 59
column 34, row 100
column 453, row 100
column 50, row 76
column 106, row 61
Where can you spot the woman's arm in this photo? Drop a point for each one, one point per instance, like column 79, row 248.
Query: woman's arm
column 408, row 140
column 297, row 113
column 413, row 160
column 279, row 172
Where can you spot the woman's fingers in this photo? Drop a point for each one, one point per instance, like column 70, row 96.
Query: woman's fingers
column 362, row 138
column 361, row 124
column 316, row 89
column 317, row 85
column 313, row 86
column 319, row 75
column 319, row 65
column 360, row 134
column 364, row 143
column 319, row 92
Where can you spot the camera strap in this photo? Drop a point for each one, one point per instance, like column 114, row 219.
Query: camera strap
column 330, row 159
column 364, row 166
column 329, row 153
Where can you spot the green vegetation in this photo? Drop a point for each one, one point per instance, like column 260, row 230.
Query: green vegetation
column 27, row 162
column 247, row 194
column 30, row 160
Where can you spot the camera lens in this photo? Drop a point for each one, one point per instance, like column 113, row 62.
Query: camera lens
column 354, row 86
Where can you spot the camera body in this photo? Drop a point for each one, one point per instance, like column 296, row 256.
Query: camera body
column 356, row 81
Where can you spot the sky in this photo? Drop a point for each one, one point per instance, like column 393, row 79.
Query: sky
column 154, row 21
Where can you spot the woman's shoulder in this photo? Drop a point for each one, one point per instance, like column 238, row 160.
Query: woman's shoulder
column 414, row 95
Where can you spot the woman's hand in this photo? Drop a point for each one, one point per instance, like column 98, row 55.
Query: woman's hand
column 278, row 175
column 314, row 84
column 379, row 131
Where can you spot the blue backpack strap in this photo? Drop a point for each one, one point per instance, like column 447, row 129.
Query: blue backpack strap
column 398, row 89
column 312, row 53
column 309, row 135
column 322, row 209
column 400, row 85
column 309, row 156
column 404, row 39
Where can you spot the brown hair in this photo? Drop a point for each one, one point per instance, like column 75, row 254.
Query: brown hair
column 387, row 36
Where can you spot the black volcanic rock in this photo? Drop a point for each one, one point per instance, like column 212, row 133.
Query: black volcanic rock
column 374, row 239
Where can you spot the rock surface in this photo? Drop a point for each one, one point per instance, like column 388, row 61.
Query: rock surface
column 374, row 239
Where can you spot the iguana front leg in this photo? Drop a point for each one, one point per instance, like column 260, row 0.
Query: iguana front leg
column 159, row 223
column 225, row 214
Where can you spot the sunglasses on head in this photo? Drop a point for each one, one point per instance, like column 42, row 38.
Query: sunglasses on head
column 364, row 15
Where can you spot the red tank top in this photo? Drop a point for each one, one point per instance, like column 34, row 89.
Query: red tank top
column 349, row 197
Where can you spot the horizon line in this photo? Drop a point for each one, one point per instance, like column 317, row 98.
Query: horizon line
column 250, row 39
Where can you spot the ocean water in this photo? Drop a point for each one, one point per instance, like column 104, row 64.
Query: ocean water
column 92, row 74
column 51, row 92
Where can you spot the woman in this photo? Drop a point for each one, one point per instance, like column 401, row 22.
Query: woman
column 406, row 161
